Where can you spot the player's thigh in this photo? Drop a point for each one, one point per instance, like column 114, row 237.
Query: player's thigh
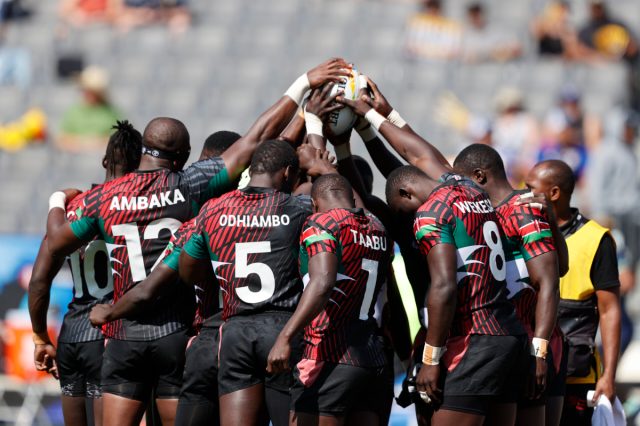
column 244, row 407
column 200, row 377
column 490, row 366
column 449, row 417
column 121, row 411
column 74, row 410
column 329, row 389
column 167, row 357
column 72, row 376
column 126, row 370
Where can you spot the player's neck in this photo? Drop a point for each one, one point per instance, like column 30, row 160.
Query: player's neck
column 498, row 190
column 151, row 163
column 263, row 180
column 563, row 213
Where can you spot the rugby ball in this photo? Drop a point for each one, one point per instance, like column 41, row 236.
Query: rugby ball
column 343, row 119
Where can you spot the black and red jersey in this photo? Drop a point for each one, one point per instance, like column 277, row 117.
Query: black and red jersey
column 528, row 234
column 92, row 283
column 251, row 238
column 208, row 300
column 345, row 331
column 458, row 212
column 136, row 215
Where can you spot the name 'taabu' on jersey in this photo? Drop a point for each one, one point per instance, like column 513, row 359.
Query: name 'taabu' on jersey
column 251, row 236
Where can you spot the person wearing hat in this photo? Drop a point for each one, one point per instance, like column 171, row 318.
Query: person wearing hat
column 87, row 125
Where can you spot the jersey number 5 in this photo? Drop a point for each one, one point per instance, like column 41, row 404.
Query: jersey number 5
column 262, row 270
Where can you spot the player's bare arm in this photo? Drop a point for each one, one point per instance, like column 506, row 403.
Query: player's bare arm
column 441, row 306
column 610, row 314
column 295, row 130
column 60, row 238
column 271, row 123
column 135, row 300
column 413, row 148
column 192, row 270
column 543, row 273
column 322, row 272
column 44, row 271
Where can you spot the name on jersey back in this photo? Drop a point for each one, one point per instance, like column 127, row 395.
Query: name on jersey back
column 252, row 221
column 483, row 206
column 153, row 201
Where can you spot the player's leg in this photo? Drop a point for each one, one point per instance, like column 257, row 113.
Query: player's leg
column 168, row 359
column 198, row 402
column 240, row 378
column 72, row 385
column 504, row 414
column 244, row 407
column 126, row 382
column 277, row 394
column 90, row 362
column 556, row 387
column 531, row 415
column 445, row 417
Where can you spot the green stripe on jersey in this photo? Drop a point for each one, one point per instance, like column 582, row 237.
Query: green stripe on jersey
column 317, row 238
column 536, row 236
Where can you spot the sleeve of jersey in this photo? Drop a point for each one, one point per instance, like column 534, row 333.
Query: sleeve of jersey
column 317, row 238
column 433, row 226
column 534, row 230
column 207, row 179
column 84, row 221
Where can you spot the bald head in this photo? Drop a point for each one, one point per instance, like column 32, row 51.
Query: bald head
column 408, row 188
column 332, row 191
column 556, row 173
column 167, row 134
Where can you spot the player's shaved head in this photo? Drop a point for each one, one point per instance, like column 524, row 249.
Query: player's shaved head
column 479, row 157
column 166, row 134
column 408, row 188
column 217, row 143
column 333, row 187
column 273, row 156
column 556, row 173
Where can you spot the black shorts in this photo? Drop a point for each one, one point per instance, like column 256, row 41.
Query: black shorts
column 132, row 369
column 330, row 389
column 200, row 378
column 245, row 343
column 79, row 366
column 484, row 369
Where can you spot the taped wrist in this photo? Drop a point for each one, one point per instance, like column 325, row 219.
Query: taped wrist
column 395, row 119
column 313, row 124
column 431, row 354
column 298, row 89
column 57, row 200
column 374, row 118
column 539, row 347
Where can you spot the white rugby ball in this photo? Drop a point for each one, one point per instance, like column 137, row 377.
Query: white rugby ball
column 343, row 119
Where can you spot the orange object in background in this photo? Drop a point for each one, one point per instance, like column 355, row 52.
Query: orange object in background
column 18, row 347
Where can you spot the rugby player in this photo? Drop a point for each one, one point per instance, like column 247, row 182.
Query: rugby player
column 153, row 202
column 589, row 295
column 345, row 255
column 78, row 358
column 472, row 327
column 198, row 401
column 248, row 237
column 532, row 279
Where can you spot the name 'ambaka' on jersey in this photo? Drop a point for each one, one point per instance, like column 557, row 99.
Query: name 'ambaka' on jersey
column 163, row 199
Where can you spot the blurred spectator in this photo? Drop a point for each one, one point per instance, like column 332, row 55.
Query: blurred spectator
column 483, row 42
column 15, row 62
column 432, row 36
column 613, row 180
column 79, row 13
column 136, row 13
column 452, row 113
column 569, row 133
column 554, row 33
column 515, row 133
column 86, row 126
column 607, row 36
column 30, row 128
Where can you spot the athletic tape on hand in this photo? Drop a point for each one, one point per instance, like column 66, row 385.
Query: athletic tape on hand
column 57, row 200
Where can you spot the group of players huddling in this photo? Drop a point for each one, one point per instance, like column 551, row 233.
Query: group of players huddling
column 276, row 302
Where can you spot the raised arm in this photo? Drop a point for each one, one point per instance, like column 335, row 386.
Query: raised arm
column 294, row 132
column 414, row 149
column 322, row 272
column 44, row 271
column 271, row 123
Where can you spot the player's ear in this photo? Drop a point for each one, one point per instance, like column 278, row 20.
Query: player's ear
column 404, row 193
column 554, row 193
column 314, row 205
column 479, row 176
column 104, row 162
